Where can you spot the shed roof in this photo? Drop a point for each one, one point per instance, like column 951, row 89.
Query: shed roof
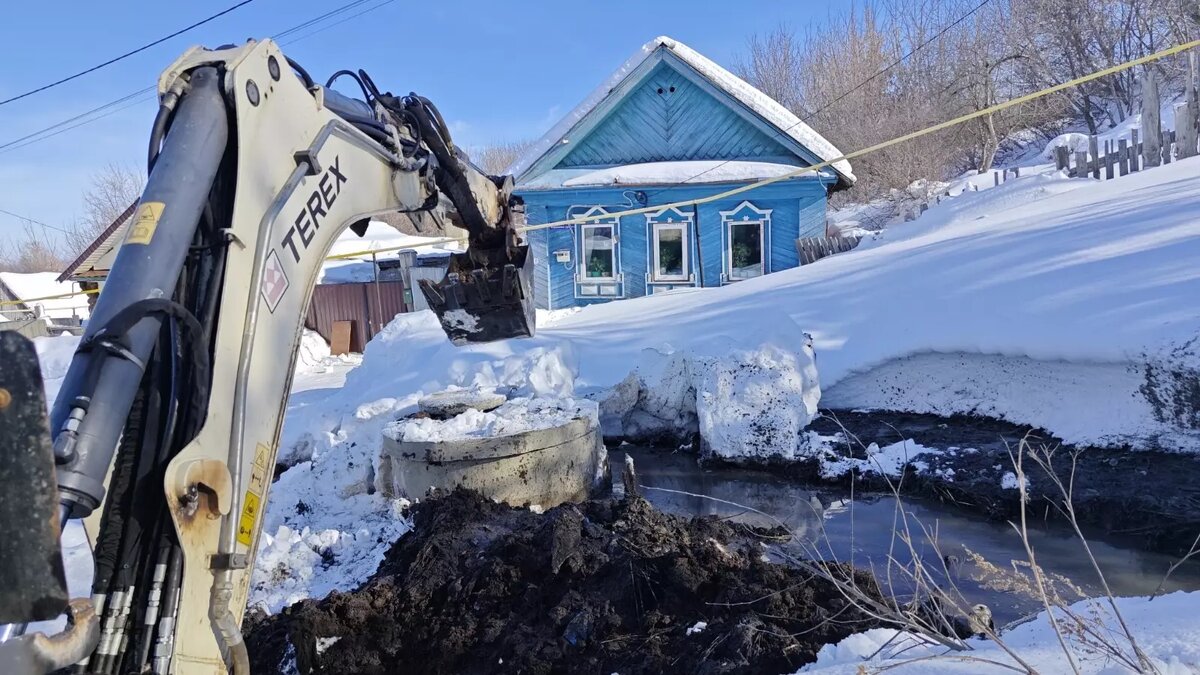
column 767, row 109
column 84, row 266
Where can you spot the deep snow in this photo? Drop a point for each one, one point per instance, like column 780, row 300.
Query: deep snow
column 1167, row 629
column 1038, row 302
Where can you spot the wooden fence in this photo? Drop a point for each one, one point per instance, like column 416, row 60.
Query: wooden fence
column 1119, row 158
column 812, row 249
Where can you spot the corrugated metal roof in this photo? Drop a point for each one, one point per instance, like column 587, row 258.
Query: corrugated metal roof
column 83, row 268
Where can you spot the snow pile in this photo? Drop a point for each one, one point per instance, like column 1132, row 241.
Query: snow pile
column 1074, row 142
column 313, row 351
column 518, row 416
column 1167, row 629
column 326, row 528
column 743, row 403
column 45, row 284
column 889, row 460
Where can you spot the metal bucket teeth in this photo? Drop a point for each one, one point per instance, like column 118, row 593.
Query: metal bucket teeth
column 482, row 302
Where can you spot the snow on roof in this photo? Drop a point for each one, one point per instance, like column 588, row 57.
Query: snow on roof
column 42, row 284
column 379, row 236
column 764, row 106
column 660, row 173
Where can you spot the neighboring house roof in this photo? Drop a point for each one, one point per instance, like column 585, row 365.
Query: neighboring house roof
column 542, row 155
column 40, row 285
column 88, row 265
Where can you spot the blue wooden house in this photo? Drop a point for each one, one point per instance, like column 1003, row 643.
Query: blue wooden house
column 670, row 125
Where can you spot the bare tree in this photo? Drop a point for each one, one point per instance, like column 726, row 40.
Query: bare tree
column 495, row 158
column 35, row 252
column 112, row 190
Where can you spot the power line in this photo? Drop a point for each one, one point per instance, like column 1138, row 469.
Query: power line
column 34, row 221
column 945, row 29
column 126, row 55
column 44, row 133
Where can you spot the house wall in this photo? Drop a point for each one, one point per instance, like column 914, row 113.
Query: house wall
column 797, row 208
column 668, row 116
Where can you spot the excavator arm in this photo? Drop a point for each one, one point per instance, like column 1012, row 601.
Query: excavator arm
column 166, row 428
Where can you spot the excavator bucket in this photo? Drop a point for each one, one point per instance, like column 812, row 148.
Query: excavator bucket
column 33, row 586
column 485, row 295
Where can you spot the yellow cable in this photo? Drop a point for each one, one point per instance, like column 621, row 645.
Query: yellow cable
column 775, row 179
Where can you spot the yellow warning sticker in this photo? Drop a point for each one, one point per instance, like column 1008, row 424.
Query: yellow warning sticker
column 260, row 456
column 249, row 517
column 144, row 222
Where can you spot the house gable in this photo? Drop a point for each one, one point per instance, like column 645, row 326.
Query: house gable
column 669, row 115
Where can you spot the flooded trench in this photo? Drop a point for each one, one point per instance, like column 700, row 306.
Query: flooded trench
column 859, row 529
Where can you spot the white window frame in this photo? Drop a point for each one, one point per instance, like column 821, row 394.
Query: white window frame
column 675, row 219
column 612, row 224
column 749, row 215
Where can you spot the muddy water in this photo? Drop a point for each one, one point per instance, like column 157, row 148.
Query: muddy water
column 860, row 531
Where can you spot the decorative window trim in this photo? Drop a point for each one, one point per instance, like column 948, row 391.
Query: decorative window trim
column 668, row 218
column 745, row 213
column 593, row 288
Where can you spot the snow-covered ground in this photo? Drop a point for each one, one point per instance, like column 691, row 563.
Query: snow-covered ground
column 1040, row 301
column 1167, row 630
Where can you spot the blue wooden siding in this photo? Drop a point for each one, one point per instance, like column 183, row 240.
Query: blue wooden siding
column 797, row 208
column 684, row 122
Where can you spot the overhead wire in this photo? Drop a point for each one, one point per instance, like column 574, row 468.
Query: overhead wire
column 79, row 120
column 126, row 55
column 34, row 221
column 1171, row 51
column 991, row 110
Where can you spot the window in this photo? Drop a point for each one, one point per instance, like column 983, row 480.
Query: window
column 599, row 255
column 670, row 252
column 746, row 238
column 745, row 250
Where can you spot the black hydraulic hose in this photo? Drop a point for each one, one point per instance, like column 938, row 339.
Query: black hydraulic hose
column 166, row 110
column 353, row 75
column 308, row 81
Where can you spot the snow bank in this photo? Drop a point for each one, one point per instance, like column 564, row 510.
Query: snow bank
column 743, row 403
column 1037, row 301
column 1167, row 629
column 517, row 416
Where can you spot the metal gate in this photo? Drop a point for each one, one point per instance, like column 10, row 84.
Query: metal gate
column 368, row 306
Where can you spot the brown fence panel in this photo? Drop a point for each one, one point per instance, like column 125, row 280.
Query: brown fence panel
column 369, row 306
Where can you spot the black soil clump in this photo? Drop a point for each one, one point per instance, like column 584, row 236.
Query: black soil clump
column 600, row 587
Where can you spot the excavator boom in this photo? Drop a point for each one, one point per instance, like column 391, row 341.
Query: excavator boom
column 165, row 430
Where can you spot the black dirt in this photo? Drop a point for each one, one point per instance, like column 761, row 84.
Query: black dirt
column 601, row 587
column 1146, row 498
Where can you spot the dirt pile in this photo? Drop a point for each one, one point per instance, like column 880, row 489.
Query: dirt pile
column 600, row 587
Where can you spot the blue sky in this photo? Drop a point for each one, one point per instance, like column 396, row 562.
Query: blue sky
column 498, row 71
